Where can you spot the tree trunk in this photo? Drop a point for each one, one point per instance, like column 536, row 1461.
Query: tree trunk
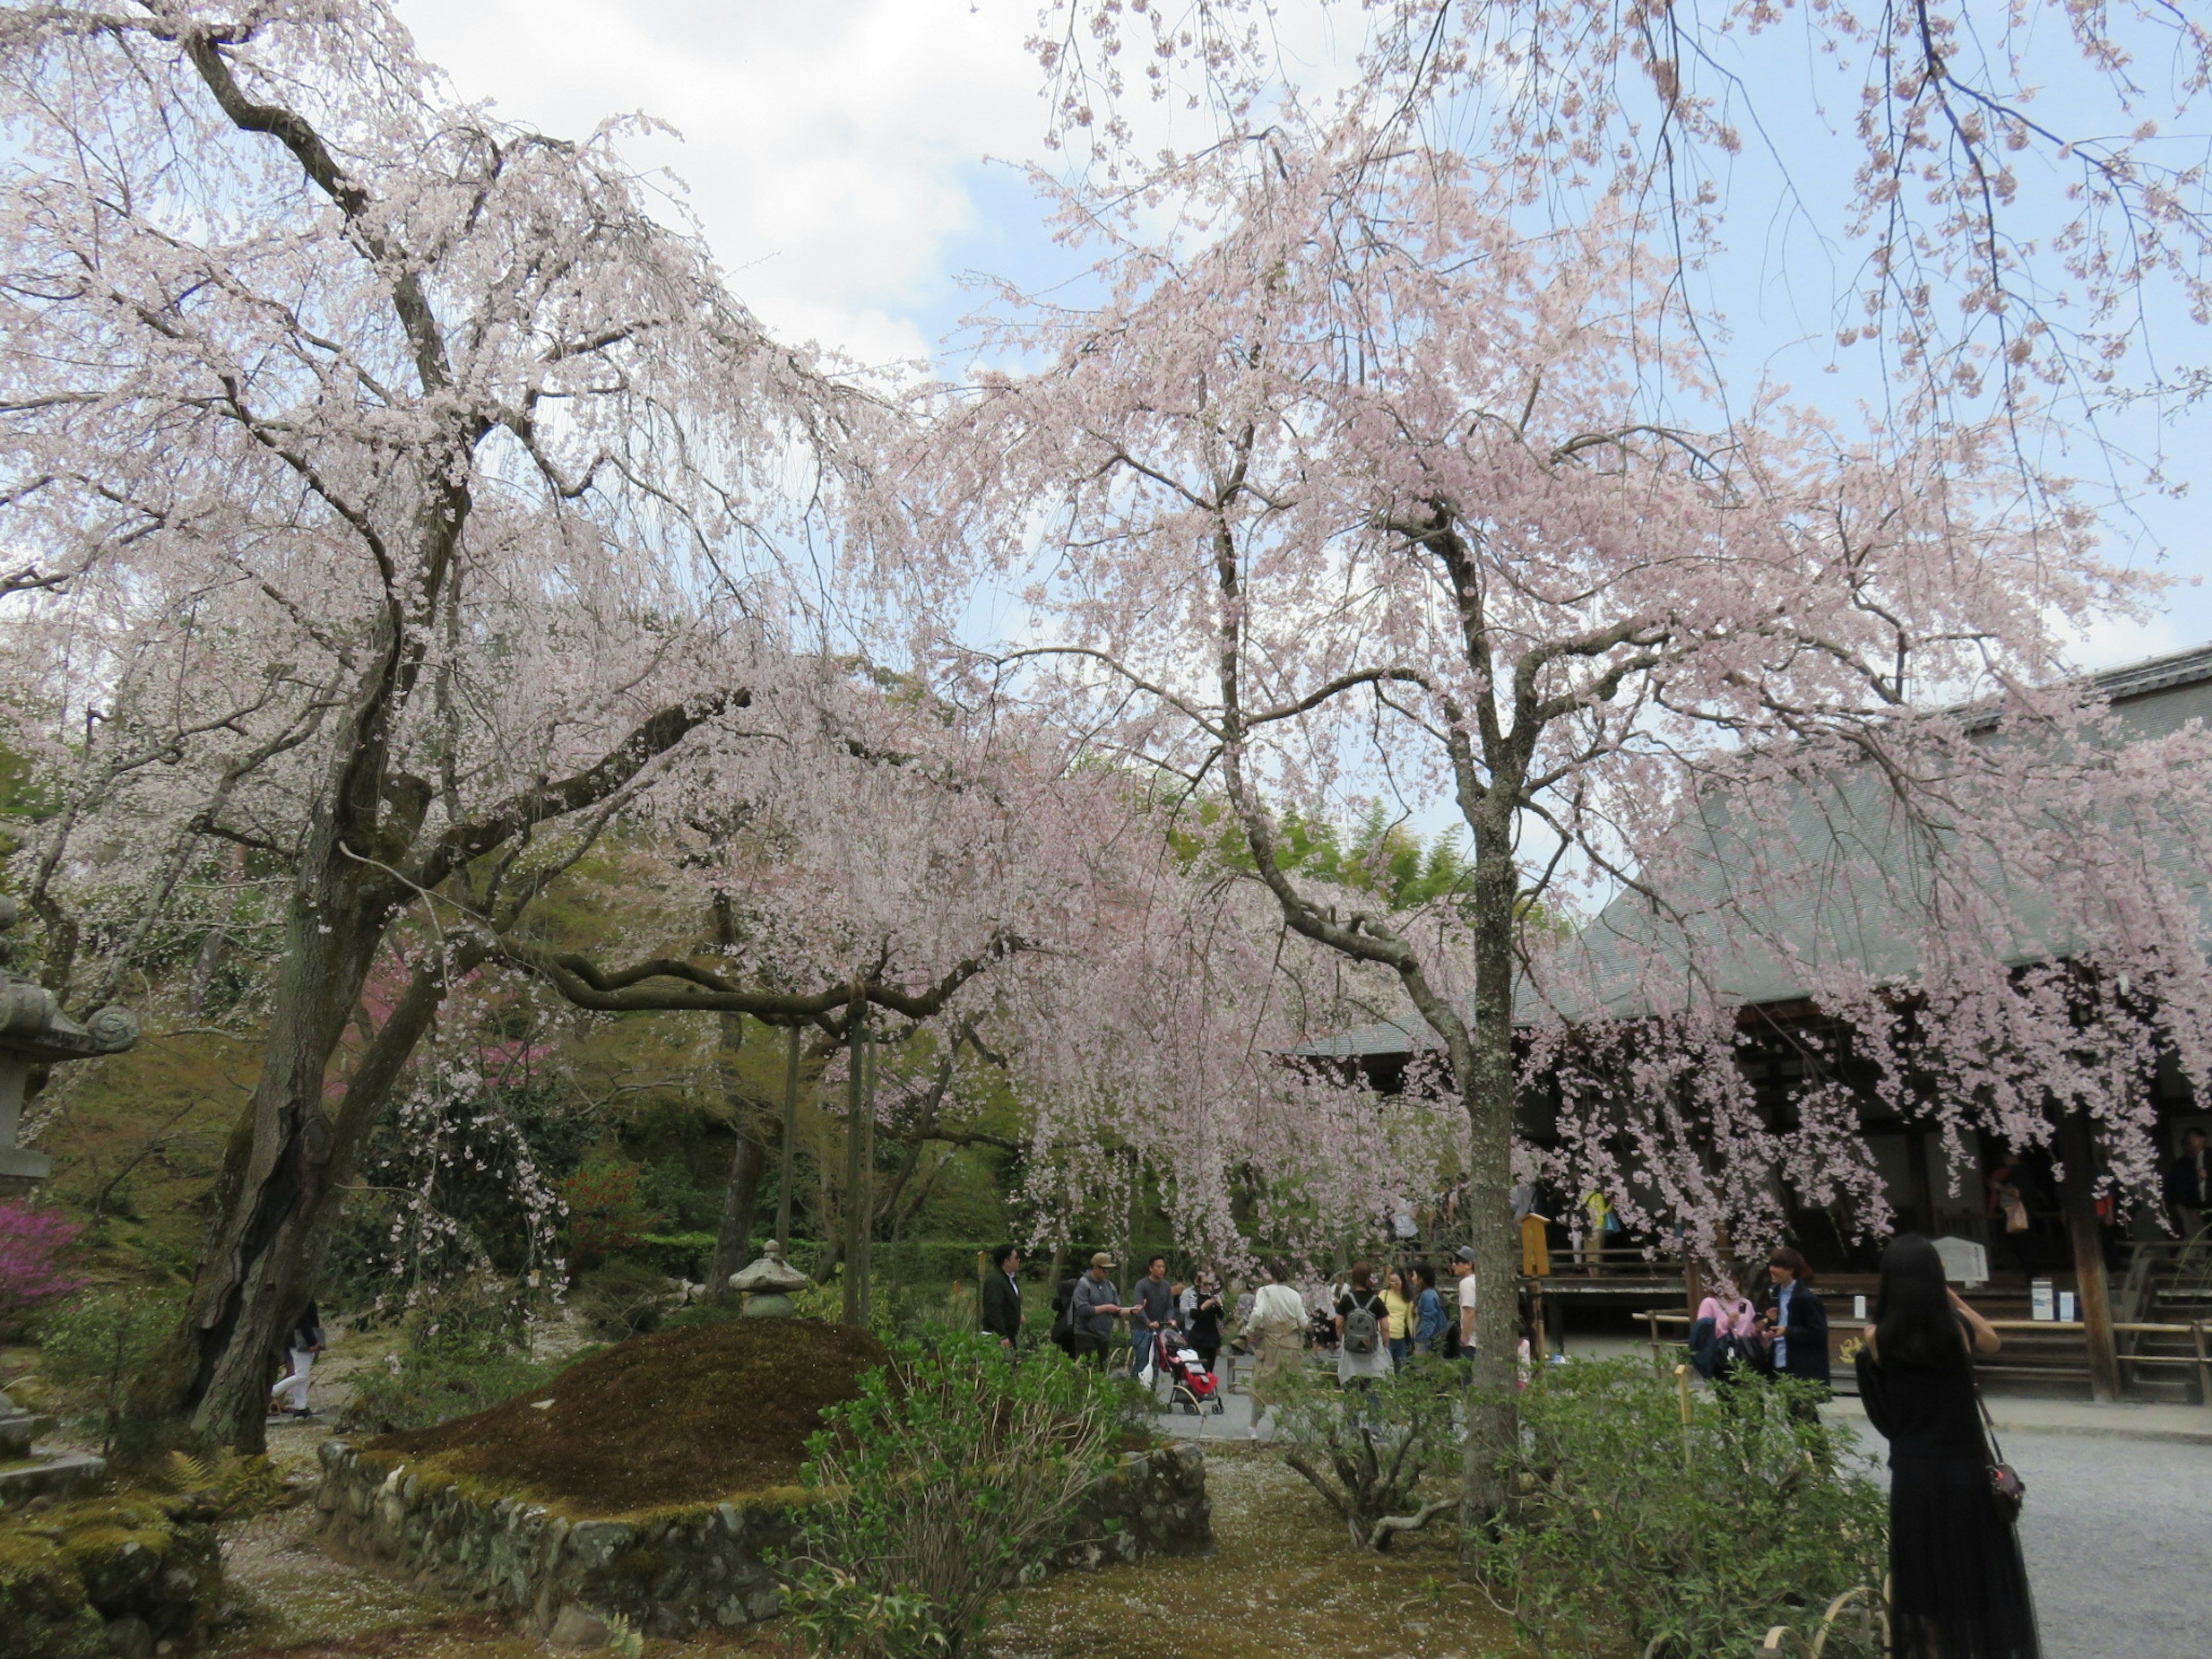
column 281, row 1167
column 2092, row 1287
column 215, row 948
column 734, row 1233
column 1487, row 1087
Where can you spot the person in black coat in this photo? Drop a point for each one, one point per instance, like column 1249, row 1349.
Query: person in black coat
column 1795, row 1318
column 1002, row 1297
column 1958, row 1589
column 2189, row 1185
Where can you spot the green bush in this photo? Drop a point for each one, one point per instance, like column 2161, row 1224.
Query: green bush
column 94, row 1347
column 939, row 1490
column 461, row 1356
column 1370, row 1451
column 624, row 1299
column 679, row 1255
column 1633, row 1531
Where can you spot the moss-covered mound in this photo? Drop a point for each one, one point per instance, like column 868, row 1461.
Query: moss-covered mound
column 687, row 1417
column 105, row 1573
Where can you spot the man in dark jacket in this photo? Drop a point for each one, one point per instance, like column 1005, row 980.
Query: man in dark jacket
column 1002, row 1297
column 1796, row 1318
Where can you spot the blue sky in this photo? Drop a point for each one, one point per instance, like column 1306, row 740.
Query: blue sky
column 851, row 160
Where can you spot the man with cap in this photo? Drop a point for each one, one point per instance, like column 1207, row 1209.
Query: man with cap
column 1092, row 1310
column 1463, row 1270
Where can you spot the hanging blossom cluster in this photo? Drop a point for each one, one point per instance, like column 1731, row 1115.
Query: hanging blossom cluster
column 2024, row 201
column 2020, row 941
column 1159, row 1061
column 457, row 1162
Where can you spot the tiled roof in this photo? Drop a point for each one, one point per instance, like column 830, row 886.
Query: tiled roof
column 1833, row 899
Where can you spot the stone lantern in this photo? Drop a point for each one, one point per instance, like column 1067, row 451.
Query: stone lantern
column 33, row 1032
column 767, row 1283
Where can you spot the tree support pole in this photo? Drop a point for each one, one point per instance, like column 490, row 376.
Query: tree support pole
column 2094, row 1288
column 855, row 1200
column 790, row 1145
column 865, row 1211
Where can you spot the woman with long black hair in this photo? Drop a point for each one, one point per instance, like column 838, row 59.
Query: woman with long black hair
column 1957, row 1586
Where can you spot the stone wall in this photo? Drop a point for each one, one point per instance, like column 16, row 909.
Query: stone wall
column 680, row 1570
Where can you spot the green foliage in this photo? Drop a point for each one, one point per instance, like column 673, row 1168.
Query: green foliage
column 1380, row 855
column 677, row 1255
column 839, row 1614
column 239, row 1485
column 1633, row 1531
column 667, row 1190
column 462, row 1355
column 607, row 1212
column 94, row 1347
column 624, row 1640
column 1368, row 1451
column 624, row 1299
column 940, row 1490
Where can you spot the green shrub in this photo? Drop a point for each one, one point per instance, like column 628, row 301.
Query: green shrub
column 1633, row 1531
column 950, row 1480
column 1370, row 1451
column 624, row 1299
column 679, row 1255
column 94, row 1347
column 607, row 1212
column 462, row 1355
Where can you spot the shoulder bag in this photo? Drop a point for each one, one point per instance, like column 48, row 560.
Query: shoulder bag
column 2006, row 1490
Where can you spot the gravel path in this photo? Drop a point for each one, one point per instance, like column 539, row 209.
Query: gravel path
column 2118, row 1533
column 2118, row 1538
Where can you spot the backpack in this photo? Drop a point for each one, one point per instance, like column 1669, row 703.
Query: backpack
column 1714, row 1353
column 1447, row 1345
column 1361, row 1332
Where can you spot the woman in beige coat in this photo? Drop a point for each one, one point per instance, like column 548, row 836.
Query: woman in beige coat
column 1277, row 1332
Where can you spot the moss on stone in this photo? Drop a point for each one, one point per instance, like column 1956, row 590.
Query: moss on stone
column 64, row 1569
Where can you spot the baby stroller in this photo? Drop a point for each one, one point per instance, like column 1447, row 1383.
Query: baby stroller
column 1191, row 1387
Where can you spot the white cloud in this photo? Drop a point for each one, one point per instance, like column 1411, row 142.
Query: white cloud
column 828, row 147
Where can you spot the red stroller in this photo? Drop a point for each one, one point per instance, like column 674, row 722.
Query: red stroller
column 1192, row 1387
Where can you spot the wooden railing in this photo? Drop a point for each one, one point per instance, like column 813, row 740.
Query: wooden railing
column 2199, row 1331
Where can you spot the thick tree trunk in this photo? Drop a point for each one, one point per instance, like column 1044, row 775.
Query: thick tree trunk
column 282, row 1166
column 1487, row 1087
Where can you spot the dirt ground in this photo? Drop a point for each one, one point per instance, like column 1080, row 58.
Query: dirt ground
column 1284, row 1581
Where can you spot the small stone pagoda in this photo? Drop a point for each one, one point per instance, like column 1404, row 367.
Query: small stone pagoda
column 34, row 1032
column 767, row 1284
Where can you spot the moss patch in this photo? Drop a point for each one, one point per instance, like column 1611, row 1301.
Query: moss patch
column 63, row 1569
column 1283, row 1584
column 687, row 1417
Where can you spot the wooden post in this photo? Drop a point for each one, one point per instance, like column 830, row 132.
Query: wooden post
column 2203, row 1364
column 856, row 1228
column 2092, row 1287
column 865, row 1258
column 790, row 1146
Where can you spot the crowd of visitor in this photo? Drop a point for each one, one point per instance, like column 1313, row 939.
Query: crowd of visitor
column 1374, row 1322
